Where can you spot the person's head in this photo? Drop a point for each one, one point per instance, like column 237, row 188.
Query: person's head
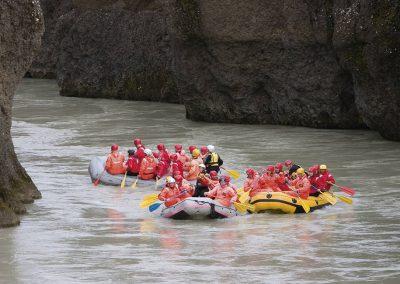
column 203, row 150
column 323, row 169
column 210, row 148
column 148, row 152
column 288, row 163
column 131, row 152
column 114, row 148
column 279, row 167
column 214, row 175
column 300, row 172
column 156, row 155
column 293, row 176
column 160, row 147
column 250, row 173
column 192, row 148
column 174, row 157
column 170, row 181
column 202, row 168
column 270, row 170
column 137, row 142
column 195, row 153
column 314, row 170
column 178, row 148
column 224, row 180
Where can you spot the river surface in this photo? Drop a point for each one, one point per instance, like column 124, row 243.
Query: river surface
column 81, row 233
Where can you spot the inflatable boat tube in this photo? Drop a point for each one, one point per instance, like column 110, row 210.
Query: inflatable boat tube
column 279, row 202
column 197, row 208
column 96, row 167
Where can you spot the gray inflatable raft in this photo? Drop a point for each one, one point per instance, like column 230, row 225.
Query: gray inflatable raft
column 96, row 167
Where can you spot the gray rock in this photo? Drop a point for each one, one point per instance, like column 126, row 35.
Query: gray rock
column 21, row 25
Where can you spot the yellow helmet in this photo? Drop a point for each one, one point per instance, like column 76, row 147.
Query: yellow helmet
column 196, row 153
column 323, row 167
column 300, row 171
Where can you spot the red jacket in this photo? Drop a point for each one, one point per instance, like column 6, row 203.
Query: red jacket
column 133, row 164
column 322, row 181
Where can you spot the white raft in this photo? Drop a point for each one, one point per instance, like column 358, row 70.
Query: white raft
column 196, row 208
column 96, row 167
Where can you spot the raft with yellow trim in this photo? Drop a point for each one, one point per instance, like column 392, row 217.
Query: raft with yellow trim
column 279, row 202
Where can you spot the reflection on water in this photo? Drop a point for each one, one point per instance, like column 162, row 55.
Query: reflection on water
column 79, row 233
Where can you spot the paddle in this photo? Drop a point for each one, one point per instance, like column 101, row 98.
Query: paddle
column 148, row 200
column 124, row 180
column 133, row 186
column 154, row 207
column 347, row 190
column 329, row 198
column 242, row 208
column 244, row 196
column 305, row 206
column 157, row 183
column 232, row 173
column 97, row 181
column 344, row 198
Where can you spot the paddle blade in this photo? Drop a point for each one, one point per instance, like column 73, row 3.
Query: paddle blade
column 123, row 181
column 305, row 206
column 345, row 199
column 148, row 200
column 133, row 186
column 244, row 196
column 329, row 198
column 240, row 207
column 234, row 174
column 348, row 190
column 154, row 207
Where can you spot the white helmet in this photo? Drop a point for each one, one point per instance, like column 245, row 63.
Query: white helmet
column 170, row 180
column 148, row 152
column 210, row 148
column 202, row 166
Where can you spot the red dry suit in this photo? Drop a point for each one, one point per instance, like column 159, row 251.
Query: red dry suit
column 224, row 195
column 269, row 183
column 148, row 168
column 248, row 184
column 133, row 165
column 302, row 186
column 322, row 180
column 171, row 195
column 140, row 153
column 115, row 163
column 193, row 170
column 281, row 182
column 176, row 167
column 161, row 169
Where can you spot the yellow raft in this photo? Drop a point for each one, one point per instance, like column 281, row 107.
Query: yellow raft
column 279, row 202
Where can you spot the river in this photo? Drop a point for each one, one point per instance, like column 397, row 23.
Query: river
column 81, row 233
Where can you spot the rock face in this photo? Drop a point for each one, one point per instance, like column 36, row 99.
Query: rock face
column 21, row 25
column 325, row 64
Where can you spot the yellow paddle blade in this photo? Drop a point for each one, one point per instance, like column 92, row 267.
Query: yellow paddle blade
column 148, row 200
column 345, row 199
column 233, row 173
column 133, row 186
column 123, row 181
column 242, row 208
column 240, row 191
column 304, row 204
column 329, row 198
column 244, row 196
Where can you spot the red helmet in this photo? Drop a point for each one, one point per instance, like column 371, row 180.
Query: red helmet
column 114, row 147
column 250, row 172
column 156, row 155
column 270, row 169
column 225, row 179
column 314, row 169
column 203, row 150
column 288, row 163
column 213, row 174
column 191, row 148
column 137, row 142
column 161, row 147
column 279, row 167
column 178, row 147
column 178, row 178
column 174, row 157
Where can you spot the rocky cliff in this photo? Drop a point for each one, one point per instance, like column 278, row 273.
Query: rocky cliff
column 21, row 25
column 326, row 64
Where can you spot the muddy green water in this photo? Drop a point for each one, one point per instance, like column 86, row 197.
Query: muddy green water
column 78, row 233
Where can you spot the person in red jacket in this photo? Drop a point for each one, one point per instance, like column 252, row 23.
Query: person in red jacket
column 171, row 194
column 252, row 175
column 191, row 149
column 325, row 180
column 203, row 152
column 301, row 185
column 223, row 193
column 115, row 163
column 182, row 157
column 133, row 165
column 313, row 175
column 148, row 166
column 163, row 154
column 176, row 165
column 184, row 185
column 269, row 180
column 214, row 180
column 139, row 149
column 194, row 169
